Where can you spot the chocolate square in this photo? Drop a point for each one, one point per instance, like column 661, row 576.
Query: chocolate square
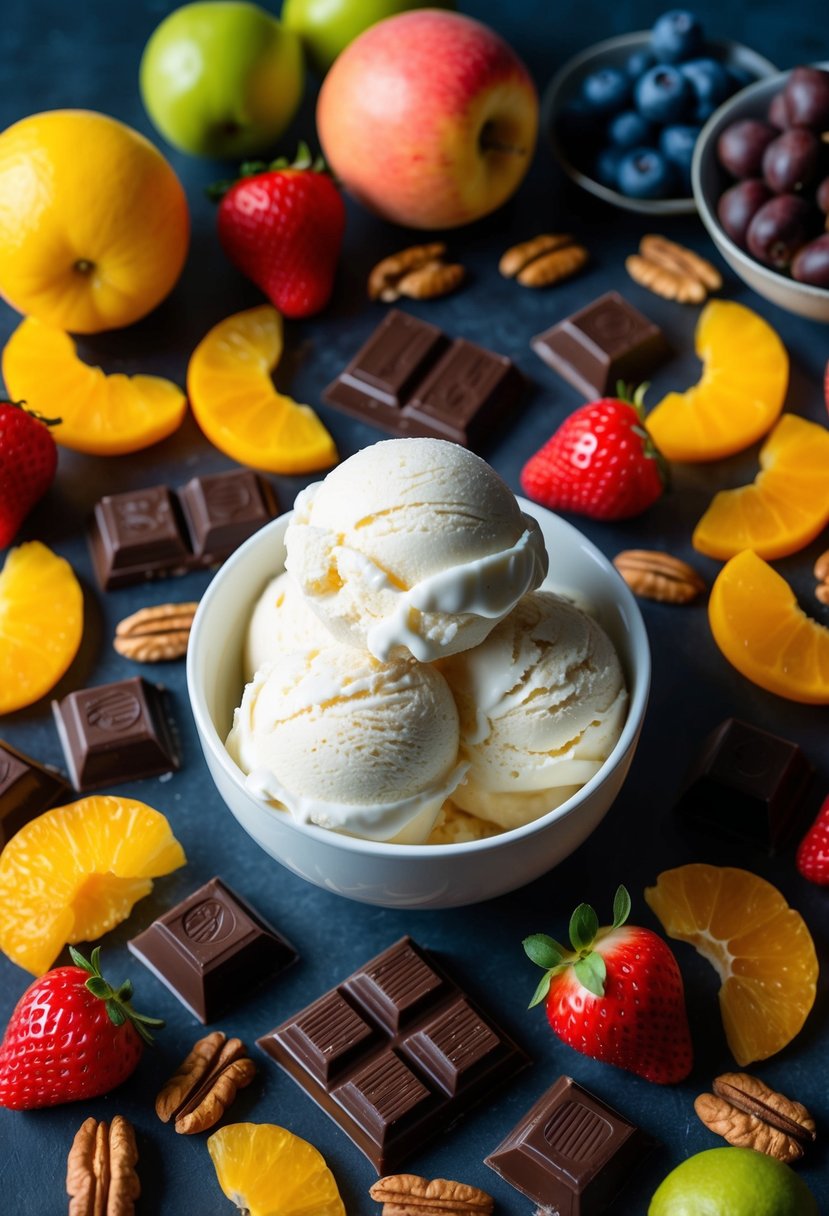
column 115, row 733
column 465, row 393
column 27, row 789
column 223, row 510
column 604, row 343
column 135, row 534
column 746, row 782
column 211, row 949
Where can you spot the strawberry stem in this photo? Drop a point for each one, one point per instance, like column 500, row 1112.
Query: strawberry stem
column 21, row 405
column 117, row 1001
column 303, row 161
column 588, row 965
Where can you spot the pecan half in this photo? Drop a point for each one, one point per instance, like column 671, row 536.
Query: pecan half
column 544, row 260
column 672, row 271
column 750, row 1114
column 419, row 272
column 205, row 1084
column 653, row 575
column 822, row 576
column 677, row 257
column 154, row 635
column 519, row 256
column 410, row 1195
column 100, row 1171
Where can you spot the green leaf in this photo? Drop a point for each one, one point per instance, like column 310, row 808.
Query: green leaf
column 79, row 960
column 99, row 987
column 543, row 950
column 95, row 960
column 584, row 925
column 542, row 990
column 592, row 973
column 116, row 1013
column 621, row 906
column 125, row 991
column 145, row 1018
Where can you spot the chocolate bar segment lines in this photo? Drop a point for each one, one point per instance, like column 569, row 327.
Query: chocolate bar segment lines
column 395, row 1053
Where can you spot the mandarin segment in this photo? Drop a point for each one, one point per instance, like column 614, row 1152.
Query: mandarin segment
column 763, row 632
column 759, row 946
column 75, row 872
column 268, row 1171
column 739, row 396
column 41, row 623
column 99, row 414
column 236, row 404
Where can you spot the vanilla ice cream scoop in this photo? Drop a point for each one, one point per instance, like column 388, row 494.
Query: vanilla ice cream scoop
column 542, row 702
column 281, row 621
column 343, row 741
column 413, row 547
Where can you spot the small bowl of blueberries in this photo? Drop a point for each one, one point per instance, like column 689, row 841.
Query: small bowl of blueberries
column 761, row 182
column 624, row 116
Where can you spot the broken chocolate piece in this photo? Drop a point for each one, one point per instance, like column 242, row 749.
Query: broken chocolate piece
column 27, row 789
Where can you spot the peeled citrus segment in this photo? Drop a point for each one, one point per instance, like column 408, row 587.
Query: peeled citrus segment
column 268, row 1171
column 100, row 414
column 237, row 406
column 784, row 508
column 760, row 628
column 75, row 872
column 41, row 623
column 739, row 395
column 759, row 946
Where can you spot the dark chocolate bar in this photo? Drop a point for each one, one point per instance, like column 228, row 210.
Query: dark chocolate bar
column 212, row 949
column 115, row 732
column 27, row 789
column 156, row 532
column 746, row 782
column 571, row 1154
column 411, row 380
column 395, row 1053
column 604, row 343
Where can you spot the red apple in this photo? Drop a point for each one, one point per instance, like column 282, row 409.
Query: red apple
column 428, row 119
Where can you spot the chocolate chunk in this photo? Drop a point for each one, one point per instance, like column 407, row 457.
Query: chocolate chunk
column 395, row 1053
column 746, row 782
column 27, row 789
column 154, row 533
column 604, row 343
column 115, row 732
column 212, row 949
column 571, row 1154
column 411, row 380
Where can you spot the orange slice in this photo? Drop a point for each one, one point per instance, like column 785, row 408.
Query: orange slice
column 237, row 406
column 268, row 1171
column 759, row 946
column 75, row 872
column 41, row 623
column 760, row 628
column 739, row 395
column 784, row 508
column 100, row 414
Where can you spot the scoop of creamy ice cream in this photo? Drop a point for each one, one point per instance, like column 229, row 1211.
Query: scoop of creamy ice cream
column 454, row 826
column 343, row 741
column 281, row 622
column 413, row 547
column 542, row 702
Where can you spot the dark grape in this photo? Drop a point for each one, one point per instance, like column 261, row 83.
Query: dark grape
column 790, row 161
column 779, row 229
column 811, row 263
column 778, row 114
column 807, row 98
column 738, row 206
column 741, row 146
column 823, row 196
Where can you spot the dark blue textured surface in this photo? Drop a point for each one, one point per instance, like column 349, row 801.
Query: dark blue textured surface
column 87, row 56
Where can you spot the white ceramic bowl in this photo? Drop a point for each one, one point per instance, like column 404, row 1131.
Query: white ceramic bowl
column 709, row 180
column 408, row 876
column 615, row 52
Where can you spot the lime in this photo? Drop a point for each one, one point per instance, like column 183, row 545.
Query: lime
column 732, row 1182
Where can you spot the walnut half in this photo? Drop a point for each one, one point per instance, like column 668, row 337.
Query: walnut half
column 100, row 1171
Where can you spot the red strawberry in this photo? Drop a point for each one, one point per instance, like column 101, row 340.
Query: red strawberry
column 28, row 459
column 283, row 225
column 600, row 462
column 813, row 851
column 617, row 995
column 70, row 1036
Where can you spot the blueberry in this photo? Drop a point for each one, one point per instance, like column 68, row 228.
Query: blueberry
column 606, row 167
column 676, row 144
column 646, row 173
column 710, row 84
column 677, row 35
column 639, row 62
column 629, row 130
column 663, row 94
column 606, row 90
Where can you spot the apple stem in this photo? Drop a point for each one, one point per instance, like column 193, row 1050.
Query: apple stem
column 490, row 143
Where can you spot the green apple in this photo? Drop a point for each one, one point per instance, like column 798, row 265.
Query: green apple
column 732, row 1182
column 327, row 26
column 222, row 78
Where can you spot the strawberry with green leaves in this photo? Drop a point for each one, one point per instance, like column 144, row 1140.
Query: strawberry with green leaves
column 28, row 460
column 617, row 995
column 70, row 1036
column 282, row 225
column 601, row 461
